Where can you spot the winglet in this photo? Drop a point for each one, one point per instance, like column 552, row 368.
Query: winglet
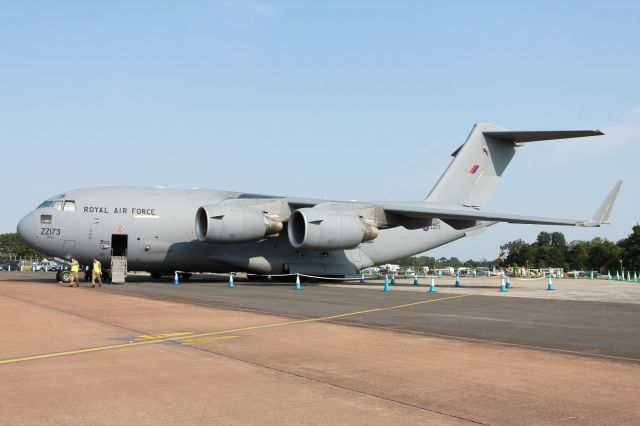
column 602, row 214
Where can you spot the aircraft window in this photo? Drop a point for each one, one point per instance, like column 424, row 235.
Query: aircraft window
column 57, row 205
column 45, row 204
column 45, row 219
column 69, row 206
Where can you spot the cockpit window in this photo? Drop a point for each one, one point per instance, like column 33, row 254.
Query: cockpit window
column 45, row 204
column 69, row 206
column 57, row 205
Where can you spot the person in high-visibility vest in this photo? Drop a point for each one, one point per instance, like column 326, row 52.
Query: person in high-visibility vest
column 75, row 269
column 97, row 273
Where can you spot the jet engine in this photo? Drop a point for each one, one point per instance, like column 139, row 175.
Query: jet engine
column 234, row 224
column 319, row 229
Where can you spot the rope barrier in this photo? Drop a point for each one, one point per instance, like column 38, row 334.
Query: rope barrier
column 358, row 277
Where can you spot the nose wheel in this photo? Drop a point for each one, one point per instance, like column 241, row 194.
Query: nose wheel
column 63, row 276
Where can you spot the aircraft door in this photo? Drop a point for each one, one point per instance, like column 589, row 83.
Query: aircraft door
column 119, row 245
column 119, row 264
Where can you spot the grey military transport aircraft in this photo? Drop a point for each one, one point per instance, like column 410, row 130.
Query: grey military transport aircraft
column 201, row 230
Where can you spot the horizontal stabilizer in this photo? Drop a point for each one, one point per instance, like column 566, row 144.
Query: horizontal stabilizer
column 543, row 135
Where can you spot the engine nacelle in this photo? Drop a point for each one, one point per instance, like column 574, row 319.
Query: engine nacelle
column 233, row 224
column 319, row 229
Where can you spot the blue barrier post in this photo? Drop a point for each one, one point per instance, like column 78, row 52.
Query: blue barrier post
column 393, row 278
column 503, row 288
column 458, row 279
column 386, row 282
column 298, row 286
column 415, row 279
column 231, row 284
column 432, row 287
column 176, row 279
column 361, row 277
column 550, row 284
column 508, row 284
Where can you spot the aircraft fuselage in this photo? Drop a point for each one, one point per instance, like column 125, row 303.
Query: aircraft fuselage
column 156, row 228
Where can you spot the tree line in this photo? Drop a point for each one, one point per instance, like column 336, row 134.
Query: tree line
column 11, row 246
column 552, row 250
column 417, row 262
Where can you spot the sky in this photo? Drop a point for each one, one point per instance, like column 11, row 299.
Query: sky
column 357, row 100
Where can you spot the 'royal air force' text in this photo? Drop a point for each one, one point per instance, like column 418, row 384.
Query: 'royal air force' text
column 120, row 210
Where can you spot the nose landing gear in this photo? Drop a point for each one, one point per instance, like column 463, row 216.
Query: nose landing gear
column 63, row 276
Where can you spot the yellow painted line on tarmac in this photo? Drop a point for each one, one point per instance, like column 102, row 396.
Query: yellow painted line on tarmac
column 161, row 336
column 218, row 333
column 78, row 351
column 328, row 318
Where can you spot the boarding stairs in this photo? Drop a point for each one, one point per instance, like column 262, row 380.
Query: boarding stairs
column 118, row 269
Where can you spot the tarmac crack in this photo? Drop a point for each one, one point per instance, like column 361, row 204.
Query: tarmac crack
column 334, row 385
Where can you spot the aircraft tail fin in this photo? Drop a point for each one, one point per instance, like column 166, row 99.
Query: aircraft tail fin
column 602, row 214
column 478, row 164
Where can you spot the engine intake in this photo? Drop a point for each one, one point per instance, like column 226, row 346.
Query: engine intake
column 234, row 224
column 319, row 229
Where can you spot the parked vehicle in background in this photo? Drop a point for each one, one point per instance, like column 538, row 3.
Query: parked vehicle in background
column 390, row 267
column 49, row 265
column 14, row 266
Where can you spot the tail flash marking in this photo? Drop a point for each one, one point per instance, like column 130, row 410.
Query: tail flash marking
column 473, row 169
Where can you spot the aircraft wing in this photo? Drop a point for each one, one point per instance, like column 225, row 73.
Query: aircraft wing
column 459, row 218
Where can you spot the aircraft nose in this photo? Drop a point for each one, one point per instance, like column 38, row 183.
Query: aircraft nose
column 26, row 228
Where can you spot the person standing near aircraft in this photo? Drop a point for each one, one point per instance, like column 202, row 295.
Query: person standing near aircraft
column 75, row 269
column 97, row 273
